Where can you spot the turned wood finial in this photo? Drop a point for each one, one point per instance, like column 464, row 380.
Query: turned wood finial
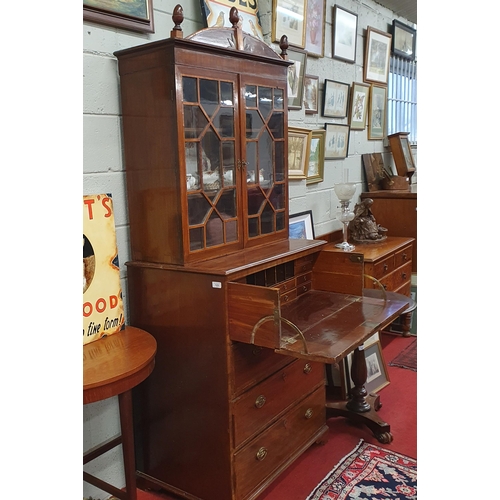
column 234, row 17
column 177, row 18
column 284, row 47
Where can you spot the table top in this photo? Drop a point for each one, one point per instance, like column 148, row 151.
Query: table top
column 117, row 363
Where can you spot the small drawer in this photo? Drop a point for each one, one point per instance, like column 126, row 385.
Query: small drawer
column 303, row 265
column 403, row 256
column 303, row 288
column 303, row 278
column 286, row 286
column 263, row 403
column 386, row 282
column 384, row 267
column 273, row 448
column 288, row 296
column 402, row 275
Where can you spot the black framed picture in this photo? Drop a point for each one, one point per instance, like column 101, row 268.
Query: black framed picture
column 404, row 40
column 300, row 226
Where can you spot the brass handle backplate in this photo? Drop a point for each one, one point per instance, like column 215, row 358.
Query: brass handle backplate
column 260, row 401
column 309, row 413
column 307, row 368
column 261, row 454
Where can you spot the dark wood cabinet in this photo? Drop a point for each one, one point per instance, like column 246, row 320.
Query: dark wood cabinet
column 244, row 317
column 396, row 211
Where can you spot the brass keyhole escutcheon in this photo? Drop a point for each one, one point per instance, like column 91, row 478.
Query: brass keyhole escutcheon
column 307, row 368
column 309, row 413
column 261, row 454
column 260, row 401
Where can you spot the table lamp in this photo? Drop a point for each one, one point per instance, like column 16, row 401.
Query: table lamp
column 345, row 191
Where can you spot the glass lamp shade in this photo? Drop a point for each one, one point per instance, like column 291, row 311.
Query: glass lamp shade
column 345, row 190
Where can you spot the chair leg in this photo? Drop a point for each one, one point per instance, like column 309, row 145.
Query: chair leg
column 127, row 431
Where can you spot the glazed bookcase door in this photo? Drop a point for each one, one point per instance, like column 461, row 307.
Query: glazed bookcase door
column 265, row 161
column 211, row 143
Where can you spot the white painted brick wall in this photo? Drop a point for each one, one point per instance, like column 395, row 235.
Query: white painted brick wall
column 103, row 168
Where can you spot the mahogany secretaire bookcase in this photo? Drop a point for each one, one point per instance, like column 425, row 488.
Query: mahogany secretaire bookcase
column 244, row 317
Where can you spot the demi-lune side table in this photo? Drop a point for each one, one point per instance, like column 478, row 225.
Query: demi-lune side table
column 112, row 366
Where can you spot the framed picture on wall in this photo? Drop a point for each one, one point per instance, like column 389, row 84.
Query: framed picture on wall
column 217, row 14
column 300, row 226
column 345, row 29
column 404, row 40
column 377, row 52
column 315, row 28
column 288, row 19
column 135, row 15
column 377, row 112
column 311, row 89
column 360, row 97
column 295, row 80
column 335, row 99
column 316, row 165
column 299, row 141
column 336, row 141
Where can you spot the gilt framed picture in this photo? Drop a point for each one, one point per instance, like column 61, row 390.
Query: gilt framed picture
column 360, row 97
column 289, row 20
column 377, row 53
column 134, row 15
column 295, row 79
column 316, row 165
column 299, row 141
column 404, row 40
column 335, row 99
column 345, row 29
column 377, row 112
column 315, row 28
column 336, row 141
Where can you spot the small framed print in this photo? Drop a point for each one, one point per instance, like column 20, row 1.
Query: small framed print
column 311, row 89
column 360, row 96
column 345, row 30
column 335, row 99
column 299, row 141
column 316, row 165
column 336, row 141
column 377, row 112
column 377, row 375
column 378, row 50
column 404, row 40
column 289, row 20
column 315, row 28
column 300, row 226
column 295, row 79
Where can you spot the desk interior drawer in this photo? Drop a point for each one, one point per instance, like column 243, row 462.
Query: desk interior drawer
column 258, row 460
column 263, row 403
column 403, row 256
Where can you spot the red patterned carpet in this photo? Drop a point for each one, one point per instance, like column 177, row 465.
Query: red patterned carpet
column 399, row 408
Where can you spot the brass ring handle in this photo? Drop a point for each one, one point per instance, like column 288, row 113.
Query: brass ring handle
column 307, row 368
column 261, row 454
column 309, row 413
column 260, row 401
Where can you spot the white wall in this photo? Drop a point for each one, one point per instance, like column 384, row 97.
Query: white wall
column 104, row 170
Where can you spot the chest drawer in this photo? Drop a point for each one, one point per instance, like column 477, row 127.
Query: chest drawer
column 383, row 267
column 401, row 275
column 252, row 364
column 260, row 458
column 403, row 256
column 262, row 403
